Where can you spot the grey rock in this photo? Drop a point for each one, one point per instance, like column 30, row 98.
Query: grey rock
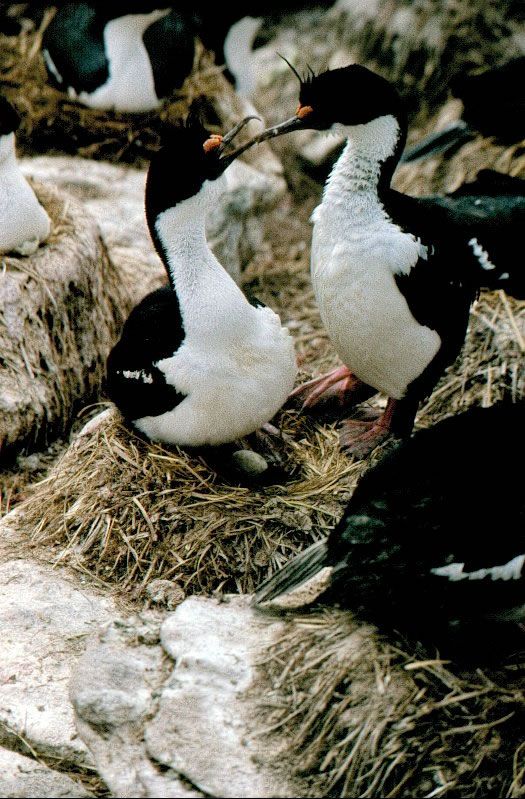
column 22, row 777
column 45, row 621
column 183, row 725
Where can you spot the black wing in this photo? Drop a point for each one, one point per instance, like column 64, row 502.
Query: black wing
column 153, row 331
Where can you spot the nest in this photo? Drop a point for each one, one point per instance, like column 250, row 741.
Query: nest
column 61, row 310
column 358, row 717
column 54, row 123
column 130, row 511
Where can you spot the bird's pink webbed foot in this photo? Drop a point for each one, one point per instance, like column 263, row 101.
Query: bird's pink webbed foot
column 359, row 437
column 339, row 384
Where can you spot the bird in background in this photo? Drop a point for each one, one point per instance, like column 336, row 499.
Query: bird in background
column 197, row 364
column 431, row 542
column 493, row 105
column 394, row 276
column 126, row 55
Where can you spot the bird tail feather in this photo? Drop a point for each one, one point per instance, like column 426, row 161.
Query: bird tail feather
column 299, row 582
column 453, row 135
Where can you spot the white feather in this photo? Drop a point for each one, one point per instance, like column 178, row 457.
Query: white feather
column 24, row 223
column 130, row 86
column 356, row 253
column 236, row 364
column 508, row 571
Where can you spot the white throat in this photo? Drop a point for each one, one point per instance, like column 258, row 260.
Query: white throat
column 131, row 85
column 368, row 147
column 7, row 149
column 205, row 291
column 350, row 197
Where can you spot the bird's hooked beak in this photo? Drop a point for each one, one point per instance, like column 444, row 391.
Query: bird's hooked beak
column 220, row 143
column 297, row 122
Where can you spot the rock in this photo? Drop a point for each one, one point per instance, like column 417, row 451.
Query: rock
column 45, row 622
column 249, row 462
column 60, row 312
column 22, row 777
column 115, row 197
column 182, row 727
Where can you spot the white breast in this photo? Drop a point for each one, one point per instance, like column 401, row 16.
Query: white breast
column 364, row 312
column 24, row 222
column 232, row 388
column 130, row 86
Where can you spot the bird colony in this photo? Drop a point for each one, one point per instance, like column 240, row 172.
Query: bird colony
column 262, row 391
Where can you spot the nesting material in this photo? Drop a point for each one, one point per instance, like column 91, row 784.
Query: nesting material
column 131, row 512
column 52, row 122
column 60, row 312
column 358, row 717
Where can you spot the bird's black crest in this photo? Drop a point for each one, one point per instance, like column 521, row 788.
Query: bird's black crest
column 349, row 95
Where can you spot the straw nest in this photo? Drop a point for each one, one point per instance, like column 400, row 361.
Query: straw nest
column 61, row 309
column 52, row 122
column 355, row 716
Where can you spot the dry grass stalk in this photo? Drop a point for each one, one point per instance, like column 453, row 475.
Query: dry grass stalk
column 60, row 312
column 440, row 174
column 361, row 718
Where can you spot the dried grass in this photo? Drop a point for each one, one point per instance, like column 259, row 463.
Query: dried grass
column 358, row 717
column 130, row 511
column 440, row 174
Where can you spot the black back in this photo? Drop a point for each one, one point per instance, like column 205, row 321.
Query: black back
column 494, row 100
column 171, row 48
column 74, row 40
column 451, row 494
column 154, row 330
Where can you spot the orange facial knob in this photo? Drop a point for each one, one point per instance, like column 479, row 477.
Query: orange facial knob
column 212, row 143
column 303, row 111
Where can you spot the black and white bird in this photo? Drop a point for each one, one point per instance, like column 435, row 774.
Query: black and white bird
column 126, row 55
column 395, row 276
column 493, row 105
column 197, row 363
column 433, row 536
column 24, row 223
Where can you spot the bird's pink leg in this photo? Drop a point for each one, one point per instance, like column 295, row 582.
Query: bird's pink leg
column 339, row 383
column 359, row 437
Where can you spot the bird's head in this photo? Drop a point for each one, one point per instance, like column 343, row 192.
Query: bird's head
column 348, row 101
column 189, row 166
